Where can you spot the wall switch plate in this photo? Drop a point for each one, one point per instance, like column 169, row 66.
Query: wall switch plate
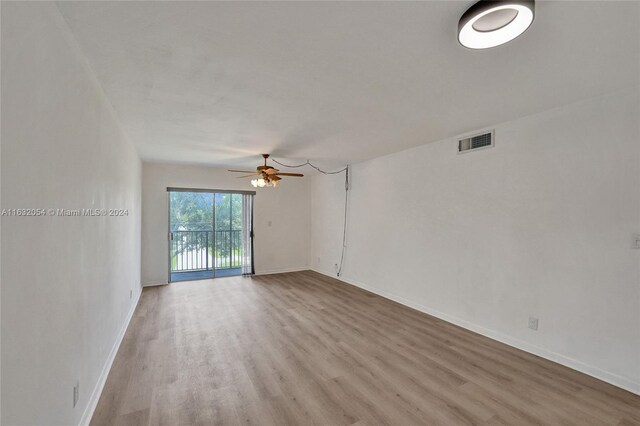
column 533, row 323
column 636, row 241
column 76, row 393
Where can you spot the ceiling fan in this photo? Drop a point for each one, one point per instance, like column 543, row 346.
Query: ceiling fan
column 265, row 175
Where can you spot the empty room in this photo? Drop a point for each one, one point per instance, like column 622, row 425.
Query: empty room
column 320, row 213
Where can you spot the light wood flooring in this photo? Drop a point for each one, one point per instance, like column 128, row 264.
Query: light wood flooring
column 301, row 348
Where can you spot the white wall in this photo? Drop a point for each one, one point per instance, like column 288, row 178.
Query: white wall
column 66, row 281
column 540, row 225
column 281, row 247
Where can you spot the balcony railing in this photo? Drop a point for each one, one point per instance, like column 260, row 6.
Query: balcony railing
column 199, row 251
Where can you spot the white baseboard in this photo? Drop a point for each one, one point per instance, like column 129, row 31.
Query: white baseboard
column 153, row 284
column 97, row 390
column 606, row 376
column 282, row 270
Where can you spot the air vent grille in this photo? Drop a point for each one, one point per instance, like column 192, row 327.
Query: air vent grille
column 483, row 140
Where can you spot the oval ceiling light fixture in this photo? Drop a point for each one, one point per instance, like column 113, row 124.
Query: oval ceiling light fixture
column 492, row 23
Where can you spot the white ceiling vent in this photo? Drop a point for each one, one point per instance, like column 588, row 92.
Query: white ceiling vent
column 477, row 141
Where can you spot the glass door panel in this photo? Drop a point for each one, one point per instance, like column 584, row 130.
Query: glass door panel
column 190, row 235
column 228, row 228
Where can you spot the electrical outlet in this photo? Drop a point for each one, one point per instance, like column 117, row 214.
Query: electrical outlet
column 533, row 323
column 130, row 294
column 76, row 393
column 335, row 265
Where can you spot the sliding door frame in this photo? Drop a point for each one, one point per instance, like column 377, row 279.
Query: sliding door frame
column 213, row 206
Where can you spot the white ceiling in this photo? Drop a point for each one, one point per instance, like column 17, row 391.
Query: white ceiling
column 221, row 82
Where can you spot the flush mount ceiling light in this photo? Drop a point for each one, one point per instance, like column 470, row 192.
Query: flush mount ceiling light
column 492, row 23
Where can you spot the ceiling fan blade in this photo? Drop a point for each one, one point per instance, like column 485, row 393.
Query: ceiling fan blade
column 241, row 171
column 246, row 176
column 289, row 174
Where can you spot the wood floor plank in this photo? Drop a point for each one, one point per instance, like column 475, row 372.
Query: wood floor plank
column 302, row 348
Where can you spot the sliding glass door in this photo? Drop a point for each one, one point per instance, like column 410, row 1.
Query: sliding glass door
column 210, row 233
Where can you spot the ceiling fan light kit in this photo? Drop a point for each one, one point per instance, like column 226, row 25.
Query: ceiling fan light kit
column 261, row 183
column 491, row 23
column 265, row 176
